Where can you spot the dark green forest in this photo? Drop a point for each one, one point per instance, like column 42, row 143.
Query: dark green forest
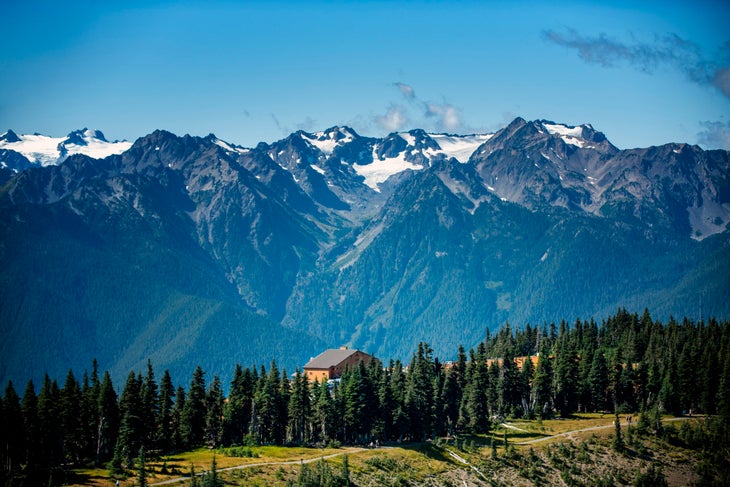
column 629, row 363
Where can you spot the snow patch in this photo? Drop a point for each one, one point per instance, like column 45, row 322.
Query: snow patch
column 327, row 142
column 460, row 147
column 380, row 170
column 570, row 135
column 317, row 168
column 49, row 151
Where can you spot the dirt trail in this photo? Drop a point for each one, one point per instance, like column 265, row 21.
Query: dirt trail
column 261, row 464
column 592, row 428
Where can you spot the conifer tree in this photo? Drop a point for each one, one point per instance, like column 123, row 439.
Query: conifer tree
column 164, row 437
column 237, row 410
column 31, row 425
column 299, row 409
column 49, row 444
column 598, row 382
column 108, row 417
column 176, row 418
column 71, row 427
column 214, row 413
column 150, row 407
column 13, row 435
column 141, row 468
column 131, row 429
column 192, row 422
column 542, row 387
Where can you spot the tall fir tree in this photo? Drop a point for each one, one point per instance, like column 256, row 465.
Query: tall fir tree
column 108, row 420
column 192, row 422
column 214, row 413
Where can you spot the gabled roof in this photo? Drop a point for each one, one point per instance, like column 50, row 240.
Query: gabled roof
column 329, row 358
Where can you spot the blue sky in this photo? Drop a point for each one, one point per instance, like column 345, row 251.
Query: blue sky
column 644, row 73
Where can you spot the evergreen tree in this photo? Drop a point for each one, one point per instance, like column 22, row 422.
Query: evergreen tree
column 164, row 437
column 71, row 426
column 176, row 418
column 50, row 443
column 598, row 382
column 618, row 441
column 214, row 413
column 12, row 435
column 237, row 411
column 526, row 378
column 108, row 425
column 211, row 478
column 31, row 425
column 299, row 409
column 323, row 412
column 509, row 385
column 131, row 429
column 419, row 393
column 141, row 469
column 566, row 373
column 450, row 400
column 192, row 422
column 269, row 407
column 542, row 387
column 150, row 412
column 474, row 412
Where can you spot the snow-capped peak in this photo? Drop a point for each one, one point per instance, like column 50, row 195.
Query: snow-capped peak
column 47, row 151
column 329, row 139
column 580, row 136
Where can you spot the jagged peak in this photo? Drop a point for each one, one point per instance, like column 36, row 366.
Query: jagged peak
column 10, row 137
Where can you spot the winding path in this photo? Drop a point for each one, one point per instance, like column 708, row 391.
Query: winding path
column 261, row 464
column 592, row 428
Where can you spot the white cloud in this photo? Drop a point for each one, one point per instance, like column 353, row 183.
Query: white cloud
column 393, row 120
column 449, row 117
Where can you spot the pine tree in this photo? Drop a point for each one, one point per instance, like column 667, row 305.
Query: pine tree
column 192, row 425
column 176, row 418
column 214, row 413
column 322, row 411
column 108, row 420
column 419, row 392
column 526, row 378
column 131, row 429
column 566, row 373
column 164, row 421
column 542, row 387
column 299, row 409
column 49, row 444
column 71, row 427
column 13, row 433
column 598, row 382
column 618, row 441
column 141, row 469
column 31, row 425
column 150, row 407
column 237, row 410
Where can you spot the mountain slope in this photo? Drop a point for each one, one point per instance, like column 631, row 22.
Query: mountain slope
column 189, row 249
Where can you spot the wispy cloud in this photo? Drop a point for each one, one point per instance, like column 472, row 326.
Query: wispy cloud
column 716, row 135
column 406, row 90
column 448, row 116
column 665, row 51
column 439, row 116
column 393, row 120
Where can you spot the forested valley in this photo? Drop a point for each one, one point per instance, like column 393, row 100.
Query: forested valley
column 627, row 364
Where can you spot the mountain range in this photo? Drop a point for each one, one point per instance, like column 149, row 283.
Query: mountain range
column 192, row 250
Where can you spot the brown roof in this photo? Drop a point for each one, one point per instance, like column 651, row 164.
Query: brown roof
column 329, row 358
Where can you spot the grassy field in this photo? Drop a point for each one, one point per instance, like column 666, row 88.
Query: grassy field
column 574, row 451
